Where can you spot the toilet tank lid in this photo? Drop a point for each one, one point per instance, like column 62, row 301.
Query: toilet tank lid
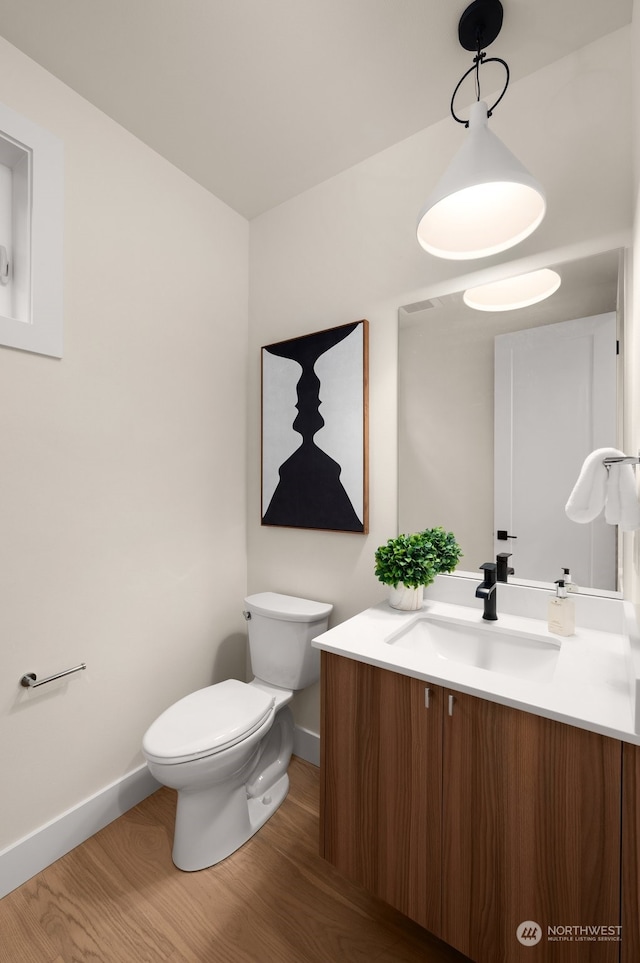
column 287, row 607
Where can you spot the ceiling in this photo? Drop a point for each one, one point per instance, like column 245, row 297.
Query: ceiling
column 259, row 100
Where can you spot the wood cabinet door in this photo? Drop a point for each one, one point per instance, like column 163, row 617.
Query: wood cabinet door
column 410, row 798
column 531, row 834
column 381, row 792
column 349, row 768
column 630, row 948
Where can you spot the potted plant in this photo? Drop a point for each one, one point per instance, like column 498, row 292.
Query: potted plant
column 408, row 563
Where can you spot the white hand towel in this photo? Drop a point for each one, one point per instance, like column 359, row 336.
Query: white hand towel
column 589, row 494
column 622, row 507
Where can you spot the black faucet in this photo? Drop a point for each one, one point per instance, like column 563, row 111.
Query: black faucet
column 487, row 591
column 504, row 570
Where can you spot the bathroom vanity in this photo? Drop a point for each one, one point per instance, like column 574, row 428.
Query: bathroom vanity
column 476, row 797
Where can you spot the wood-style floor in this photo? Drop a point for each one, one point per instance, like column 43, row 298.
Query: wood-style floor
column 119, row 899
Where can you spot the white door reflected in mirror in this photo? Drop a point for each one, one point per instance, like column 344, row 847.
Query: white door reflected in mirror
column 555, row 401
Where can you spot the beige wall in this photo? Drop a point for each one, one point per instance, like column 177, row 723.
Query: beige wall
column 347, row 250
column 122, row 478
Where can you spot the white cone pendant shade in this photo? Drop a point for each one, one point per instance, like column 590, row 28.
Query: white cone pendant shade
column 485, row 202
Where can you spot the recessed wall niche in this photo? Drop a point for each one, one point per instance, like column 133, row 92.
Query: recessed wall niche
column 31, row 235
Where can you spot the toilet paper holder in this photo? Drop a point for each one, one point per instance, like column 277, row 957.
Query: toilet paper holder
column 29, row 679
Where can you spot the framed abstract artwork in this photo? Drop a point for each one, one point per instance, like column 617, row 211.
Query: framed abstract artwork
column 315, row 430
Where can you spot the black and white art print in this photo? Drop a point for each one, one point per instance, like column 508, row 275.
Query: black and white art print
column 314, row 430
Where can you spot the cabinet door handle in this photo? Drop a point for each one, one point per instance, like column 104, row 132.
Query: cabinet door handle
column 427, row 698
column 452, row 699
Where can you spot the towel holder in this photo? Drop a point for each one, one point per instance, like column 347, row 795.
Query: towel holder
column 29, row 680
column 620, row 460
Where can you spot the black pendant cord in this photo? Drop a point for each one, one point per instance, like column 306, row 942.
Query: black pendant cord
column 479, row 57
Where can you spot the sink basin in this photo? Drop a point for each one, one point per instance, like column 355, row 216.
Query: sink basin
column 482, row 645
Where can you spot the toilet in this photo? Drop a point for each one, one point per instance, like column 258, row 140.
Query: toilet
column 226, row 748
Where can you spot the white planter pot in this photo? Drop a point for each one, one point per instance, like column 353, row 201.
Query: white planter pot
column 405, row 598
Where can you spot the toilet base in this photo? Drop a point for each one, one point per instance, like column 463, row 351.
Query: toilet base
column 212, row 823
column 242, row 818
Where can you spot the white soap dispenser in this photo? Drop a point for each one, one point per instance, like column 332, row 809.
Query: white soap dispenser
column 562, row 619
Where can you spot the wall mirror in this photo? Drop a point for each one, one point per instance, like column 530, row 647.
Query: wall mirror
column 497, row 412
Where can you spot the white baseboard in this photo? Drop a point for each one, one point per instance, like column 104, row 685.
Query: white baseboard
column 306, row 744
column 30, row 855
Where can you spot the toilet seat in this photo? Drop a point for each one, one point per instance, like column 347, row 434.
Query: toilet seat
column 206, row 722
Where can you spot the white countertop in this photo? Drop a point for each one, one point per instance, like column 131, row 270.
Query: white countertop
column 593, row 684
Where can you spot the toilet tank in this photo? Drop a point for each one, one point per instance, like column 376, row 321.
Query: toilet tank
column 281, row 628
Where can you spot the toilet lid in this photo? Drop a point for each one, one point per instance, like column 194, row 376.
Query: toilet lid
column 207, row 721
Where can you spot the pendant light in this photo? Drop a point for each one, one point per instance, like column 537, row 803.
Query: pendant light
column 486, row 201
